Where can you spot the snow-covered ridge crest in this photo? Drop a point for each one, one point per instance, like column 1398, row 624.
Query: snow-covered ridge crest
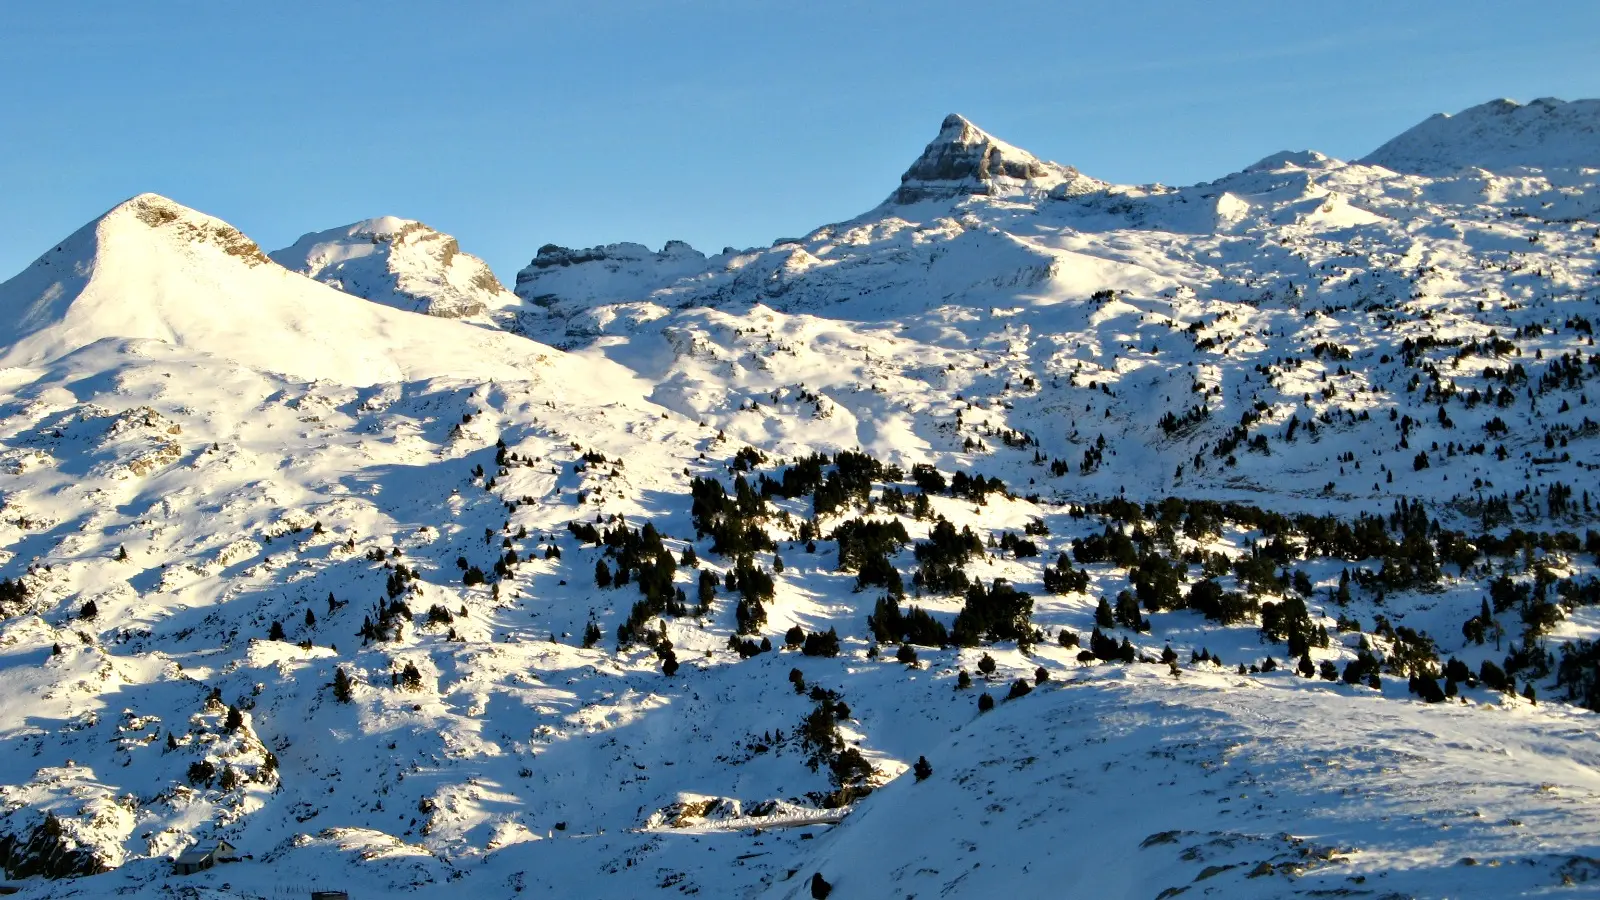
column 153, row 270
column 576, row 279
column 1499, row 135
column 400, row 263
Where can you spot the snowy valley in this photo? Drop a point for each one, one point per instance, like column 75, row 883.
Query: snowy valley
column 1027, row 533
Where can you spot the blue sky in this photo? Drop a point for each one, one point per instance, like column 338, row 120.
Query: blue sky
column 512, row 125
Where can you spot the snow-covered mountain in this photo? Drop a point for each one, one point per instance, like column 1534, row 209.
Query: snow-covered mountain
column 152, row 270
column 1501, row 136
column 399, row 263
column 1024, row 534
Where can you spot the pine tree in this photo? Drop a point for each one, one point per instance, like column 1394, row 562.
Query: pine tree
column 821, row 643
column 985, row 702
column 89, row 610
column 963, row 680
column 1530, row 695
column 986, row 664
column 602, row 574
column 275, row 633
column 1040, row 675
column 922, row 769
column 706, row 591
column 341, row 685
column 1127, row 612
column 311, row 619
column 122, row 553
column 1307, row 667
column 1103, row 617
column 820, row 888
column 235, row 720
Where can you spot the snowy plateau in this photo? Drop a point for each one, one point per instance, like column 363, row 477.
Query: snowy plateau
column 1026, row 535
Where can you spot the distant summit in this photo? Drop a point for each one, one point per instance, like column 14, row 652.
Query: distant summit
column 1499, row 135
column 400, row 263
column 965, row 160
column 565, row 279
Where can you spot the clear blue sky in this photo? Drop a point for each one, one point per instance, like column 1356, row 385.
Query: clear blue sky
column 512, row 125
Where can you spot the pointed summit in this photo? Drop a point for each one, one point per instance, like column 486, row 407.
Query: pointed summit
column 965, row 160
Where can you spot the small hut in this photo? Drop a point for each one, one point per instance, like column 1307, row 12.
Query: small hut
column 203, row 856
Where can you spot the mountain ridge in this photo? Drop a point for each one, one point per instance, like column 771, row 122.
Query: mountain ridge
column 151, row 269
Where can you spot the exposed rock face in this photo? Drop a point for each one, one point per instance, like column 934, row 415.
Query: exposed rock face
column 1499, row 135
column 966, row 160
column 48, row 851
column 159, row 212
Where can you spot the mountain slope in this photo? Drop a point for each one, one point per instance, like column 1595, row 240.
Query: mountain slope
column 1210, row 785
column 1197, row 331
column 1500, row 135
column 399, row 263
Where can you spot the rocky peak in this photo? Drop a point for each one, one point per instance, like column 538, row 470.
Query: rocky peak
column 965, row 160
